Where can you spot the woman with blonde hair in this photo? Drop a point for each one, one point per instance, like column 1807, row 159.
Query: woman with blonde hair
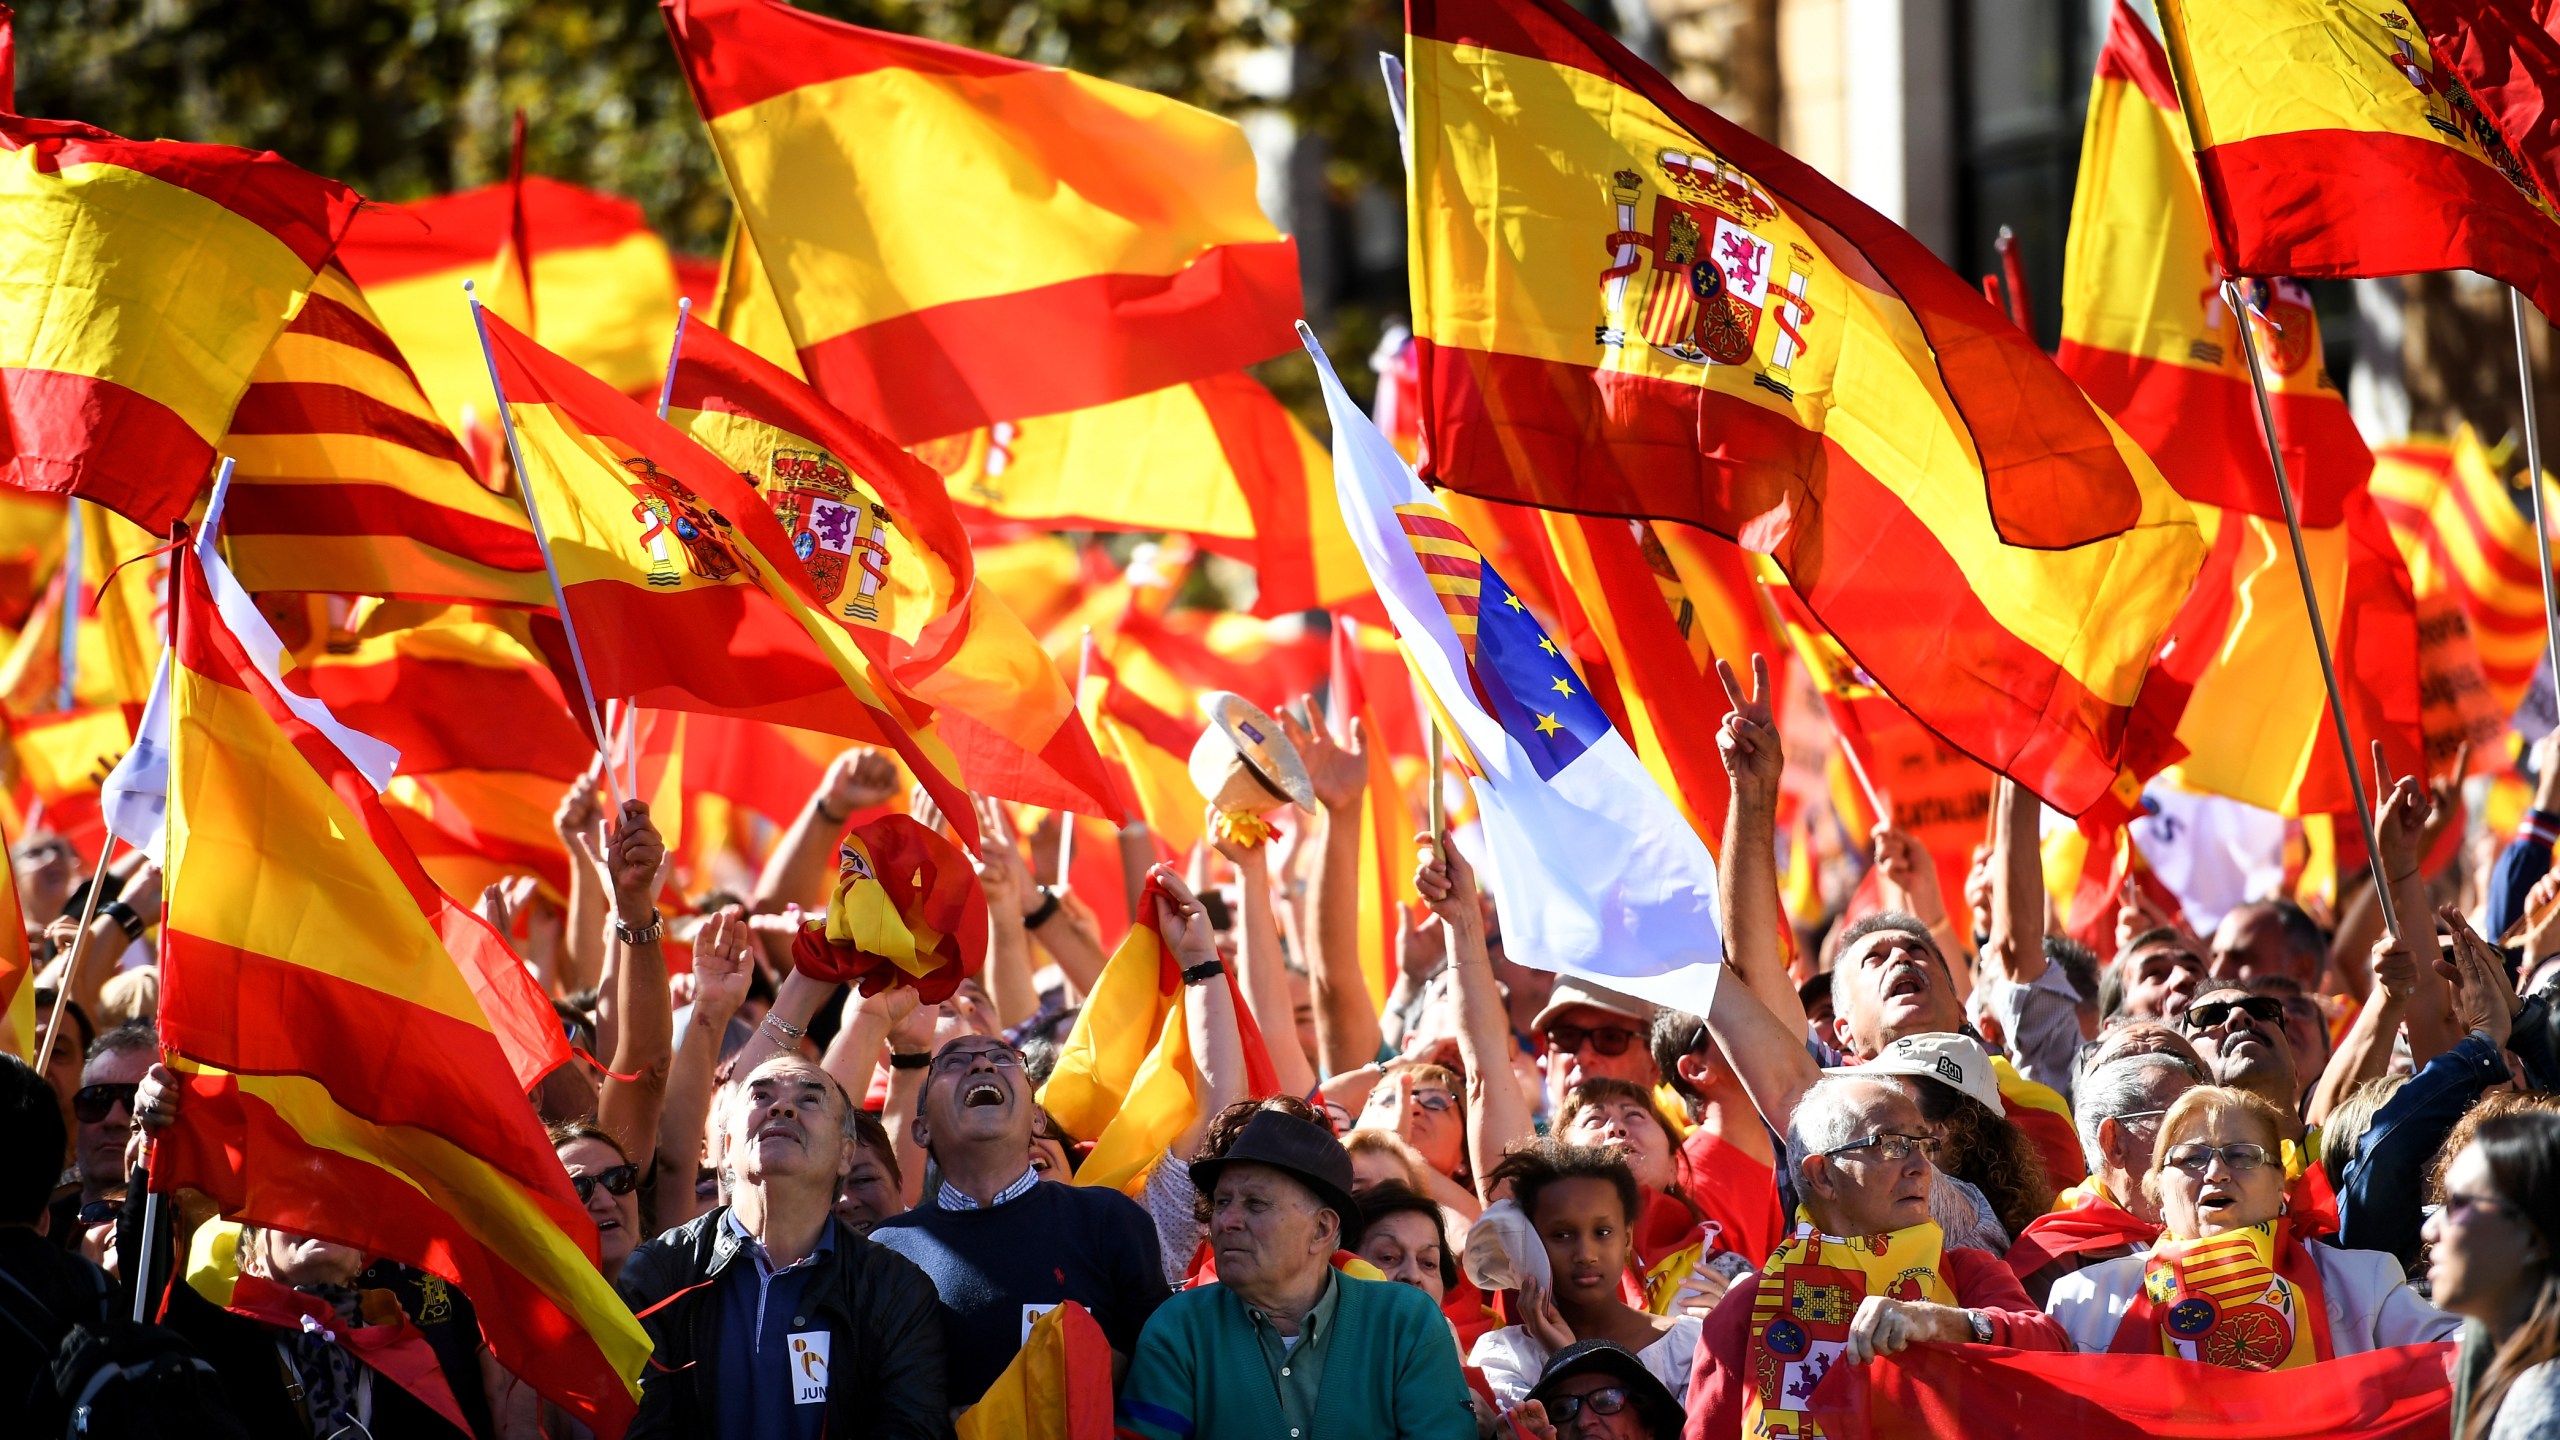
column 2230, row 1282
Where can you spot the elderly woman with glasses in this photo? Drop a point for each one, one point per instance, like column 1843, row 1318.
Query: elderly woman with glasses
column 2231, row 1281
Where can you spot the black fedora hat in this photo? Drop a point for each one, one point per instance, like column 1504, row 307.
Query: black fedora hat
column 1651, row 1398
column 1306, row 1150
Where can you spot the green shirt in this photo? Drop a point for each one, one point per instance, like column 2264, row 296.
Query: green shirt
column 1299, row 1370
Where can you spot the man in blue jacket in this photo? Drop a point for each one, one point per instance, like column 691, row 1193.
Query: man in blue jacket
column 1283, row 1347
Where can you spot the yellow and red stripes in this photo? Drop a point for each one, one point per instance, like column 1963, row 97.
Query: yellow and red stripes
column 2461, row 527
column 894, row 188
column 381, row 1037
column 349, row 483
column 117, row 376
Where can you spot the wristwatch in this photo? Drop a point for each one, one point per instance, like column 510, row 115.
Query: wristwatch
column 656, row 927
column 1980, row 1324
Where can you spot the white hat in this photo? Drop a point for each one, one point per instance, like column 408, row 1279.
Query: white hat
column 1957, row 1060
column 1240, row 732
column 1573, row 990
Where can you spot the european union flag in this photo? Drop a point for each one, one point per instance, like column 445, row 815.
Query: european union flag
column 1529, row 686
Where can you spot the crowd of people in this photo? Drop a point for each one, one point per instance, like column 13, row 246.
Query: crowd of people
column 1505, row 1202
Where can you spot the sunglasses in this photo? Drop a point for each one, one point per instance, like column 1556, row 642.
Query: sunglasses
column 2196, row 1157
column 1608, row 1400
column 1438, row 1102
column 1608, row 1039
column 2264, row 1009
column 2457, row 1207
column 94, row 1103
column 99, row 1212
column 620, row 1180
column 1891, row 1146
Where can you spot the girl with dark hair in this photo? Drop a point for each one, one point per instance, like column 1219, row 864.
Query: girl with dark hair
column 2494, row 1265
column 1988, row 1152
column 1581, row 1200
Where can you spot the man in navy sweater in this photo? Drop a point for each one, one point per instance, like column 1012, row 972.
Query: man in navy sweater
column 1001, row 1244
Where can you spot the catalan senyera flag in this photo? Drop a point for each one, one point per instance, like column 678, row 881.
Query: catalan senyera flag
column 1125, row 1077
column 144, row 281
column 2465, row 530
column 894, row 187
column 884, row 554
column 2146, row 329
column 1219, row 459
column 348, row 480
column 603, row 294
column 1627, row 305
column 2334, row 140
column 356, row 1046
column 684, row 588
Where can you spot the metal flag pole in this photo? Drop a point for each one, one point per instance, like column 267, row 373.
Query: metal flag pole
column 2233, row 302
column 75, row 561
column 1067, row 818
column 675, row 350
column 542, row 542
column 2533, row 481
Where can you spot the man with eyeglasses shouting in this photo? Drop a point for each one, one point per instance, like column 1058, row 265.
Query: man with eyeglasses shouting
column 1867, row 1272
column 1002, row 1245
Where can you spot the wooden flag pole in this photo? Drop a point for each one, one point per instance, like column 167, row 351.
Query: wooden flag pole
column 542, row 542
column 1067, row 818
column 1439, row 802
column 79, row 949
column 2533, row 481
column 2233, row 302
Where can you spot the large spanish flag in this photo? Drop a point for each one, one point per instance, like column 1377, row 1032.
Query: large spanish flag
column 883, row 553
column 348, row 482
column 603, row 294
column 139, row 285
column 2466, row 530
column 1627, row 305
column 684, row 588
column 357, row 1044
column 17, row 976
column 2146, row 329
column 955, row 238
column 1219, row 459
column 2335, row 140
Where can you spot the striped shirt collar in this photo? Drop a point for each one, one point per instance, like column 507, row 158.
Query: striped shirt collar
column 951, row 1197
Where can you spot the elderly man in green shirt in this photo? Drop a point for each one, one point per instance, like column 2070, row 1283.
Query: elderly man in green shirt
column 1283, row 1346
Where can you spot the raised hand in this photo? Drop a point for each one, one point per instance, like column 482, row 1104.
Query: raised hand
column 2445, row 792
column 635, row 856
column 2482, row 997
column 1182, row 920
column 857, row 780
column 1909, row 877
column 1235, row 852
column 721, row 967
column 1340, row 773
column 500, row 900
column 1006, row 875
column 2395, row 968
column 581, row 812
column 1446, row 882
column 1747, row 741
column 2400, row 822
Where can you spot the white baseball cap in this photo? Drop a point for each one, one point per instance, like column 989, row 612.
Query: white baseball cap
column 1950, row 1059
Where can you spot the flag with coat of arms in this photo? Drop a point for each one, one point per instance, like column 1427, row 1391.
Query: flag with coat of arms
column 1593, row 870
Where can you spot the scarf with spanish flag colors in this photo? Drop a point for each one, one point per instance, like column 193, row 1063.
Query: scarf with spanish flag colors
column 907, row 910
column 1808, row 1295
column 2247, row 1299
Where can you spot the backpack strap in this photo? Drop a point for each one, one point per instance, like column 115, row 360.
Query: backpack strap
column 18, row 1323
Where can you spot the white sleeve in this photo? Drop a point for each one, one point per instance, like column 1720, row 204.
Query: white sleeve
column 2089, row 1307
column 1511, row 1359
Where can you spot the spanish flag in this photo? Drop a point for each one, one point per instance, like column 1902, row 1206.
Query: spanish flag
column 2336, row 140
column 884, row 555
column 2146, row 329
column 1057, row 1388
column 1150, row 738
column 603, row 293
column 1627, row 305
column 349, row 482
column 2465, row 529
column 955, row 238
column 356, row 1045
column 144, row 281
column 1219, row 459
column 684, row 588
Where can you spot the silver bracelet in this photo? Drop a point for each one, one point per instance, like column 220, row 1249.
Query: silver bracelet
column 797, row 1033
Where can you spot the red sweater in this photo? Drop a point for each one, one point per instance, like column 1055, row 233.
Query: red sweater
column 1717, row 1384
